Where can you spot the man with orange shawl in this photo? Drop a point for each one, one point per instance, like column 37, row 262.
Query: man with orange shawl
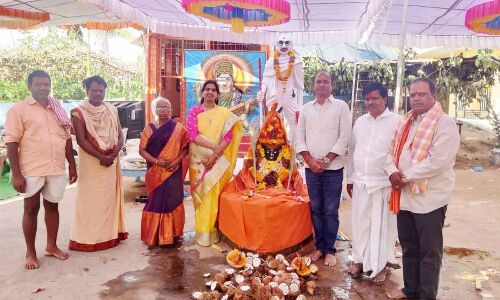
column 420, row 166
column 164, row 144
column 99, row 221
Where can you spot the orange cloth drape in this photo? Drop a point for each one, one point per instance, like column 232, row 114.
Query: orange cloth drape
column 395, row 199
column 268, row 222
column 21, row 19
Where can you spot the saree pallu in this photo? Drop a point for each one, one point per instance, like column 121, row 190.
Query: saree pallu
column 163, row 215
column 206, row 185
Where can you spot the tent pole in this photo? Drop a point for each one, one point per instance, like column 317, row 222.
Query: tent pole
column 401, row 66
column 354, row 81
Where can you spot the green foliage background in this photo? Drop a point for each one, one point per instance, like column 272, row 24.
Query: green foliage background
column 68, row 60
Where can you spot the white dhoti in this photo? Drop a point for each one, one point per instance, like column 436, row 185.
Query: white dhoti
column 374, row 229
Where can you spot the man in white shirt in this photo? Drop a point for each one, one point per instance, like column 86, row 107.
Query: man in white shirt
column 373, row 226
column 420, row 166
column 323, row 133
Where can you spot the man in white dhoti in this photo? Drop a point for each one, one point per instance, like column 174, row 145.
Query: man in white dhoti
column 374, row 229
column 283, row 82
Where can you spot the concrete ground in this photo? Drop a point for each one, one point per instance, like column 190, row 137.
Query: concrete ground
column 131, row 271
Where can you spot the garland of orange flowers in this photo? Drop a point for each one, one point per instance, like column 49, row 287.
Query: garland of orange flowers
column 277, row 70
column 265, row 167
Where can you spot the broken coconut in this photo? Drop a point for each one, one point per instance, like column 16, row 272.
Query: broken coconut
column 284, row 288
column 294, row 288
column 236, row 259
column 229, row 271
column 314, row 268
column 280, row 257
column 310, row 286
column 256, row 262
column 300, row 265
column 239, row 279
column 245, row 288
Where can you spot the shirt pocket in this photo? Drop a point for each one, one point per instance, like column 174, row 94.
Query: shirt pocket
column 330, row 123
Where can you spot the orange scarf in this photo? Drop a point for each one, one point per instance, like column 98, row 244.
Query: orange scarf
column 395, row 199
column 420, row 146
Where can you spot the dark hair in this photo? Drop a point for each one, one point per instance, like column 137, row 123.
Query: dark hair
column 430, row 83
column 97, row 79
column 375, row 86
column 37, row 73
column 323, row 72
column 216, row 88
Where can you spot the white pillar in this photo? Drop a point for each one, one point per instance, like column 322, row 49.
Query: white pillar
column 354, row 81
column 401, row 67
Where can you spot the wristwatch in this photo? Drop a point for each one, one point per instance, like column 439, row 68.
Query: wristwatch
column 326, row 160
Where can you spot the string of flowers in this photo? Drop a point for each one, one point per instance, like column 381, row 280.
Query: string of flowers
column 270, row 173
column 291, row 61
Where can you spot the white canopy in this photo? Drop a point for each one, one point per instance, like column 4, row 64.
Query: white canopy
column 430, row 23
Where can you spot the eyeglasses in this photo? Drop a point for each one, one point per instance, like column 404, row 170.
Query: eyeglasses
column 286, row 43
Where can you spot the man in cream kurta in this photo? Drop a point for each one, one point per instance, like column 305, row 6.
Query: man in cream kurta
column 373, row 226
column 323, row 134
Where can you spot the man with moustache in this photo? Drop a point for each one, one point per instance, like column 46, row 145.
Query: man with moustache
column 373, row 226
column 99, row 221
column 420, row 165
column 323, row 133
column 38, row 143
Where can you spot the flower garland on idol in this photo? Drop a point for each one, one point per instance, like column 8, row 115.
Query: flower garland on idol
column 271, row 173
column 277, row 70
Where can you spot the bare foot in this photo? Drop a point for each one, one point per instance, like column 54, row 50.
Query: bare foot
column 57, row 253
column 31, row 262
column 355, row 270
column 316, row 255
column 396, row 294
column 380, row 277
column 330, row 260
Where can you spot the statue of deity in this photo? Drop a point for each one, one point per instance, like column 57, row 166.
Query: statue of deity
column 283, row 83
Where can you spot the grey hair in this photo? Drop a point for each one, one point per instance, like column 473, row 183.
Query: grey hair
column 154, row 103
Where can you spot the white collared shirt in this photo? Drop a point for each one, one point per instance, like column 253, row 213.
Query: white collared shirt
column 436, row 168
column 325, row 128
column 370, row 142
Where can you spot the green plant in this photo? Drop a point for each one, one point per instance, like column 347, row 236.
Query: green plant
column 67, row 58
column 465, row 79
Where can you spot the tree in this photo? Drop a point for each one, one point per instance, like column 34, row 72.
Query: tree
column 465, row 79
column 66, row 57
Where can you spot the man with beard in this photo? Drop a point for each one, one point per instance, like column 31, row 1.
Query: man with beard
column 99, row 221
column 323, row 134
column 373, row 226
column 38, row 143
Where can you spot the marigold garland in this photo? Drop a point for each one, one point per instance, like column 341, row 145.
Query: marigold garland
column 270, row 173
column 291, row 61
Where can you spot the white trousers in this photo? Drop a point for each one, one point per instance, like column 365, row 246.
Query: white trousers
column 374, row 229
